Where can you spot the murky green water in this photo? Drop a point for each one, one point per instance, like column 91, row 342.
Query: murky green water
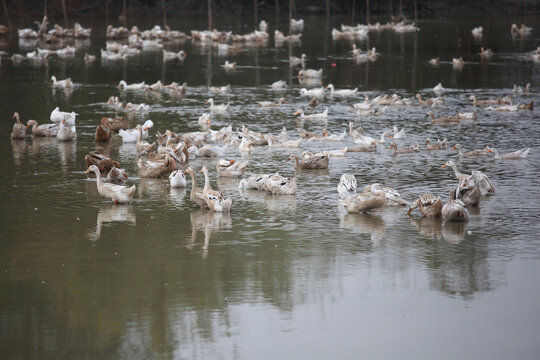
column 279, row 277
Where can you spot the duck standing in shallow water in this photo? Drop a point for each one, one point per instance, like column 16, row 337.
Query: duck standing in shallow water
column 119, row 194
column 19, row 130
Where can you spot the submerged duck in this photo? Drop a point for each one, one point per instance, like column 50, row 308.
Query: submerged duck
column 347, row 186
column 428, row 204
column 117, row 193
column 454, row 210
column 49, row 130
column 231, row 168
column 213, row 198
column 19, row 130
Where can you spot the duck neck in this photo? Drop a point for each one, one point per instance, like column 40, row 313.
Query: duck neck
column 296, row 162
column 194, row 186
column 98, row 178
column 456, row 172
column 206, row 181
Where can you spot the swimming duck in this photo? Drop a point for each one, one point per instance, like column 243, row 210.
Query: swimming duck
column 477, row 32
column 117, row 193
column 439, row 89
column 254, row 182
column 66, row 133
column 229, row 65
column 102, row 162
column 393, row 198
column 400, row 135
column 132, row 135
column 217, row 108
column 66, row 83
column 434, row 62
column 444, row 119
column 103, row 131
column 316, row 162
column 347, row 186
column 122, row 85
column 428, row 204
column 213, row 198
column 220, row 89
column 485, row 54
column 19, row 130
column 317, row 92
column 280, row 84
column 117, row 176
column 364, row 202
column 458, row 63
column 177, row 179
column 467, row 191
column 454, row 210
column 439, row 145
column 231, row 168
column 368, row 140
column 272, row 104
column 518, row 89
column 327, row 137
column 404, row 150
column 516, row 155
column 303, row 116
column 279, row 185
column 468, row 115
column 343, row 92
column 117, row 123
column 310, row 73
column 196, row 193
column 57, row 116
column 156, row 169
column 43, row 129
column 475, row 153
column 481, row 179
column 294, row 61
column 143, row 146
column 434, row 102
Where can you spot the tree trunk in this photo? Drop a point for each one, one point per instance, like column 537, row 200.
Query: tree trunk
column 353, row 11
column 255, row 12
column 415, row 14
column 327, row 8
column 125, row 15
column 65, row 13
column 367, row 11
column 164, row 17
column 7, row 14
column 210, row 15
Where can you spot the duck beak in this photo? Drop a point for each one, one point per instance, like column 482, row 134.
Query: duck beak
column 27, row 127
column 442, row 167
column 296, row 113
column 125, row 176
column 88, row 171
column 232, row 162
column 489, row 150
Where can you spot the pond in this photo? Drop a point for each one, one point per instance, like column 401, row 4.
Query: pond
column 279, row 276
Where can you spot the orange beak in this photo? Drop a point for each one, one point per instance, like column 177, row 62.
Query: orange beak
column 454, row 148
column 443, row 166
column 489, row 150
column 232, row 162
column 88, row 171
column 27, row 127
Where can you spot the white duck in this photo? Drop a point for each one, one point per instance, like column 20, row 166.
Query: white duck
column 57, row 116
column 177, row 179
column 399, row 134
column 231, row 168
column 323, row 115
column 66, row 83
column 516, row 155
column 454, row 210
column 280, row 84
column 294, row 61
column 217, row 108
column 342, row 92
column 393, row 198
column 439, row 89
column 368, row 140
column 319, row 92
column 347, row 186
column 229, row 65
column 66, row 133
column 122, row 85
column 279, row 185
column 133, row 135
column 117, row 193
column 481, row 179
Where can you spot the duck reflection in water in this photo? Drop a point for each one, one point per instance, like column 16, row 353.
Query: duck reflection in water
column 177, row 196
column 67, row 151
column 19, row 149
column 152, row 187
column 111, row 214
column 364, row 223
column 435, row 228
column 207, row 221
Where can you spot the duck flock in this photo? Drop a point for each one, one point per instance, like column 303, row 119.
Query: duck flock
column 168, row 156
